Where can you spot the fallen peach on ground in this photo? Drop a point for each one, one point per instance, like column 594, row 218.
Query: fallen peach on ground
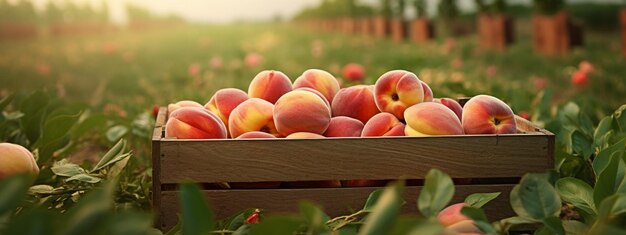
column 15, row 159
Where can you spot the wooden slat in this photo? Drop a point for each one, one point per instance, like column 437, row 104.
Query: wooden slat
column 255, row 160
column 335, row 202
column 159, row 124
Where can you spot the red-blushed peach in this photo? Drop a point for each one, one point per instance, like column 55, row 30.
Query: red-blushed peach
column 319, row 80
column 484, row 114
column 428, row 93
column 383, row 124
column 256, row 135
column 456, row 223
column 430, row 118
column 355, row 102
column 452, row 105
column 397, row 90
column 269, row 85
column 301, row 111
column 254, row 114
column 183, row 103
column 353, row 72
column 15, row 159
column 343, row 126
column 452, row 215
column 304, row 135
column 194, row 123
column 315, row 92
column 224, row 101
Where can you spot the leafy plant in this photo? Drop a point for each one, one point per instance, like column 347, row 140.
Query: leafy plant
column 548, row 6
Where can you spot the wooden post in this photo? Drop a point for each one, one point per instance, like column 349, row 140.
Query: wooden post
column 422, row 30
column 623, row 26
column 398, row 30
column 381, row 26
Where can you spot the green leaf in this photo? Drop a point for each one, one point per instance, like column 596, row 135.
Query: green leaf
column 13, row 191
column 114, row 154
column 436, row 194
column 372, row 199
column 510, row 222
column 603, row 128
column 196, row 216
column 243, row 230
column 605, row 155
column 237, row 220
column 64, row 168
column 115, row 133
column 554, row 224
column 620, row 119
column 611, row 181
column 84, row 178
column 277, row 225
column 41, row 189
column 474, row 213
column 575, row 227
column 612, row 207
column 34, row 109
column 55, row 135
column 346, row 230
column 128, row 222
column 577, row 193
column 478, row 200
column 582, row 145
column 33, row 221
column 384, row 213
column 90, row 212
column 4, row 102
column 538, row 197
column 91, row 124
column 314, row 217
column 427, row 228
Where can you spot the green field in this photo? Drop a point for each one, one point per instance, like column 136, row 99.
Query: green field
column 84, row 93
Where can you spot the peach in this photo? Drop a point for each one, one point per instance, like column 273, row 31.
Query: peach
column 256, row 135
column 397, row 90
column 194, row 123
column 355, row 102
column 254, row 114
column 343, row 126
column 316, row 93
column 224, row 101
column 428, row 93
column 484, row 114
column 304, row 135
column 452, row 105
column 455, row 222
column 301, row 111
column 15, row 159
column 430, row 118
column 465, row 227
column 183, row 103
column 269, row 85
column 318, row 80
column 353, row 72
column 383, row 124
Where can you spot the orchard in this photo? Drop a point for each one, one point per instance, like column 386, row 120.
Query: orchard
column 340, row 117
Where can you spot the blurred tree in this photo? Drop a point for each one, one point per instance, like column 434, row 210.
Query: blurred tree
column 420, row 8
column 385, row 8
column 53, row 13
column 448, row 10
column 548, row 6
column 398, row 8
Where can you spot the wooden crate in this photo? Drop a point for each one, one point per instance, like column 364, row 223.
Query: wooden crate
column 493, row 162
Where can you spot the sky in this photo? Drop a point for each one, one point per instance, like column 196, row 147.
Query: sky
column 225, row 11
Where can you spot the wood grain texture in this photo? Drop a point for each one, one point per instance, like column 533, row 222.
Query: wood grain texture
column 256, row 160
column 335, row 202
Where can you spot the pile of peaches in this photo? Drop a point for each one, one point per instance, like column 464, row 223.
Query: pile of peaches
column 314, row 106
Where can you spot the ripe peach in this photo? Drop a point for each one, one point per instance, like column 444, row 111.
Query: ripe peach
column 355, row 102
column 194, row 123
column 430, row 118
column 343, row 126
column 457, row 223
column 254, row 114
column 397, row 90
column 224, row 101
column 183, row 103
column 428, row 93
column 383, row 124
column 353, row 72
column 304, row 135
column 15, row 159
column 315, row 92
column 318, row 80
column 484, row 114
column 269, row 85
column 452, row 105
column 301, row 111
column 579, row 78
column 256, row 135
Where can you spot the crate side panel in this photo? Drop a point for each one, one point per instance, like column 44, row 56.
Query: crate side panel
column 347, row 158
column 334, row 201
